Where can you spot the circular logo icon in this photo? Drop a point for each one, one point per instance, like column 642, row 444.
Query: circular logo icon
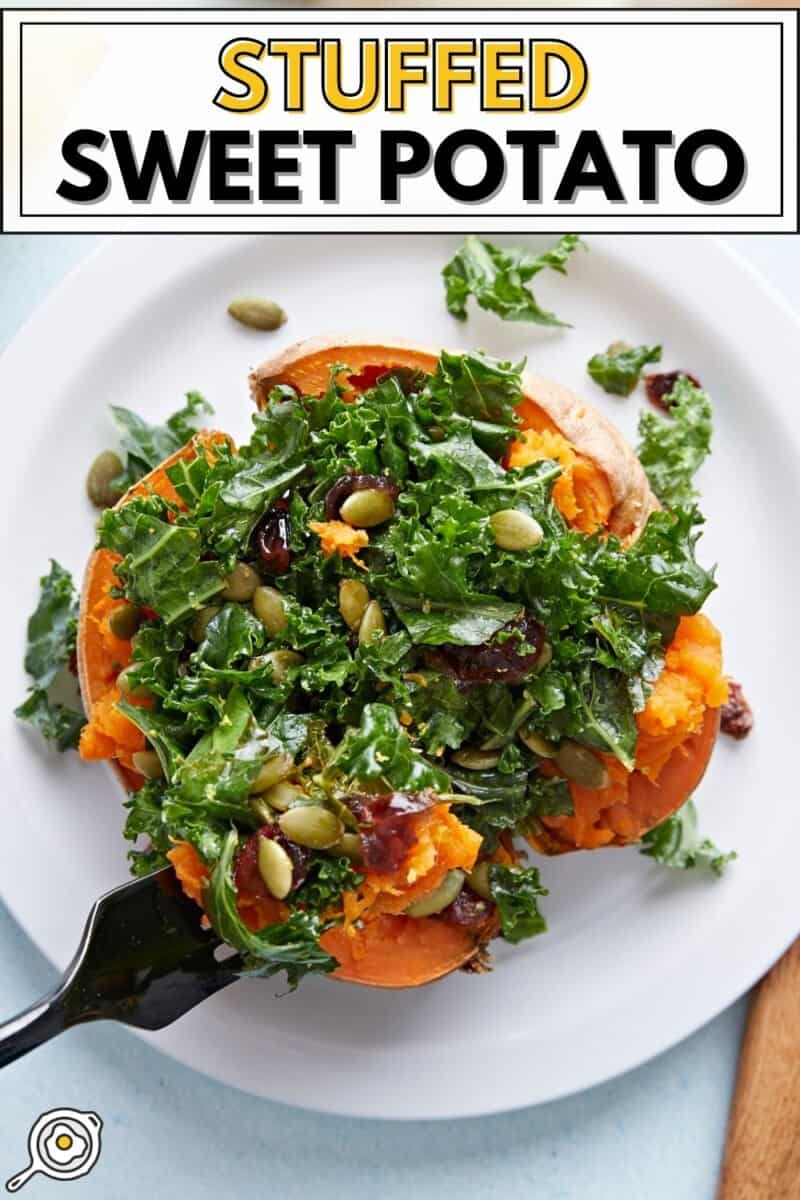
column 63, row 1144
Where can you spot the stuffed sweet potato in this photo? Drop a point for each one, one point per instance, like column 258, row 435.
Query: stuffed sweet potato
column 431, row 609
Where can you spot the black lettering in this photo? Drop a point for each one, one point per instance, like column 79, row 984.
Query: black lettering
column 494, row 169
column 222, row 164
column 158, row 161
column 647, row 141
column 96, row 175
column 393, row 167
column 531, row 143
column 271, row 165
column 589, row 167
column 735, row 166
column 328, row 143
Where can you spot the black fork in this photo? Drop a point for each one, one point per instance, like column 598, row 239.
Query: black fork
column 144, row 959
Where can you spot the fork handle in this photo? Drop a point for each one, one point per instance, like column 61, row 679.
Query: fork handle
column 37, row 1024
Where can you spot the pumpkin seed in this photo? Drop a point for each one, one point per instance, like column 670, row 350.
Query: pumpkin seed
column 257, row 314
column 370, row 506
column 283, row 796
column 270, row 608
column 537, row 744
column 349, row 845
column 261, row 809
column 581, row 766
column 100, row 486
column 476, row 760
column 478, row 880
column 353, row 600
column 515, row 530
column 124, row 620
column 281, row 661
column 311, row 825
column 373, row 623
column 545, row 657
column 147, row 763
column 275, row 868
column 241, row 583
column 129, row 689
column 200, row 623
column 439, row 899
column 275, row 768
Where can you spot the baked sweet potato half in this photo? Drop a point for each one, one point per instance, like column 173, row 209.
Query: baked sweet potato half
column 377, row 645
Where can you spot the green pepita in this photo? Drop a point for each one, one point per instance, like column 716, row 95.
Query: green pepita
column 476, row 760
column 581, row 766
column 261, row 809
column 257, row 314
column 515, row 530
column 201, row 619
column 130, row 689
column 545, row 657
column 275, row 768
column 124, row 620
column 439, row 899
column 241, row 583
column 283, row 796
column 371, row 506
column 537, row 744
column 100, row 486
column 372, row 625
column 275, row 868
column 311, row 825
column 349, row 845
column 478, row 880
column 353, row 600
column 147, row 763
column 270, row 608
column 281, row 662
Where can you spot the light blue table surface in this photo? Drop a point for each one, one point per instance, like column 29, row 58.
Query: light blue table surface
column 654, row 1134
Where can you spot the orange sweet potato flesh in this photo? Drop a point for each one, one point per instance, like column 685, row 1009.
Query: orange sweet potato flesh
column 100, row 655
column 388, row 952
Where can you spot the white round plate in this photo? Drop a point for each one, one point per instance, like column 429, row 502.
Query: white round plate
column 636, row 957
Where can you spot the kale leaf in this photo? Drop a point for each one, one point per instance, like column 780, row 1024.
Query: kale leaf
column 516, row 892
column 677, row 843
column 379, row 750
column 497, row 277
column 476, row 386
column 146, row 446
column 146, row 819
column 659, row 572
column 619, row 370
column 51, row 634
column 162, row 567
column 673, row 447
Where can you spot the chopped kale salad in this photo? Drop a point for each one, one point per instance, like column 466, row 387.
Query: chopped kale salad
column 362, row 672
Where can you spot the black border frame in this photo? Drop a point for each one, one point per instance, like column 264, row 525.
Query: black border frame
column 516, row 12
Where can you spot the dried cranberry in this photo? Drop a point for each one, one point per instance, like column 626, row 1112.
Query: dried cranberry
column 247, row 876
column 366, row 378
column 501, row 660
column 387, row 826
column 468, row 909
column 271, row 541
column 347, row 484
column 736, row 717
column 659, row 385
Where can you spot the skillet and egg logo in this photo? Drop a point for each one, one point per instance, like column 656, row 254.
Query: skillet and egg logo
column 63, row 1144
